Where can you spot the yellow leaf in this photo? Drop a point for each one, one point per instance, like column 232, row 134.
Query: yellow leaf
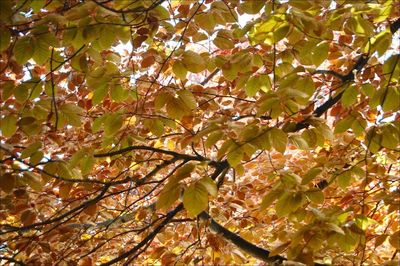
column 195, row 199
column 168, row 196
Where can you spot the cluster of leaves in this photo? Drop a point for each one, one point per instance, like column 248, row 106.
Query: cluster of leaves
column 222, row 132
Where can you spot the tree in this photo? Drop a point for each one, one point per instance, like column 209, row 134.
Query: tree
column 213, row 132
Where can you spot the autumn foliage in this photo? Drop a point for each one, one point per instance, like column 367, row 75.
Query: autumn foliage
column 199, row 132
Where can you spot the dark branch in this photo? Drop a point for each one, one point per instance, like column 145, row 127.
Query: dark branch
column 148, row 238
column 139, row 9
column 243, row 244
column 361, row 62
column 395, row 26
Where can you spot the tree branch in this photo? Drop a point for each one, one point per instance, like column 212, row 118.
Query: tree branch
column 148, row 238
column 395, row 26
column 361, row 62
column 240, row 242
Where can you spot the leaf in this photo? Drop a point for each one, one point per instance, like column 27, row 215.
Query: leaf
column 344, row 124
column 251, row 7
column 179, row 70
column 86, row 164
column 118, row 93
column 349, row 96
column 256, row 83
column 148, row 61
column 7, row 182
column 33, row 180
column 344, row 179
column 195, row 199
column 235, row 155
column 334, row 227
column 320, row 53
column 279, row 249
column 23, row 49
column 287, row 203
column 21, row 92
column 223, row 40
column 112, row 124
column 187, row 98
column 5, row 38
column 269, row 198
column 64, row 190
column 28, row 217
column 209, row 185
column 278, row 139
column 8, row 125
column 310, row 175
column 391, row 99
column 32, row 148
column 193, row 62
column 169, row 195
column 316, row 196
column 213, row 138
column 205, row 21
column 183, row 172
column 394, row 240
column 175, row 109
column 70, row 114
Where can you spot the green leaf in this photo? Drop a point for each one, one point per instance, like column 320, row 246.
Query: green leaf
column 21, row 92
column 278, row 139
column 299, row 142
column 187, row 98
column 310, row 175
column 288, row 203
column 183, row 172
column 235, row 155
column 224, row 40
column 359, row 125
column 179, row 70
column 256, row 83
column 320, row 53
column 269, row 198
column 213, row 138
column 349, row 96
column 251, row 7
column 5, row 38
column 23, row 49
column 316, row 196
column 118, row 93
column 32, row 180
column 8, row 125
column 344, row 124
column 195, row 199
column 70, row 114
column 168, row 196
column 32, row 148
column 205, row 21
column 209, row 185
column 391, row 100
column 344, row 179
column 86, row 164
column 99, row 94
column 193, row 62
column 112, row 124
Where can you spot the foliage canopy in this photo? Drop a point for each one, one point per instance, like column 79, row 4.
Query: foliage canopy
column 221, row 132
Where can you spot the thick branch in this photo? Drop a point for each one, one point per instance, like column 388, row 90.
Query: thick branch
column 147, row 148
column 139, row 9
column 395, row 26
column 148, row 238
column 243, row 244
column 361, row 62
